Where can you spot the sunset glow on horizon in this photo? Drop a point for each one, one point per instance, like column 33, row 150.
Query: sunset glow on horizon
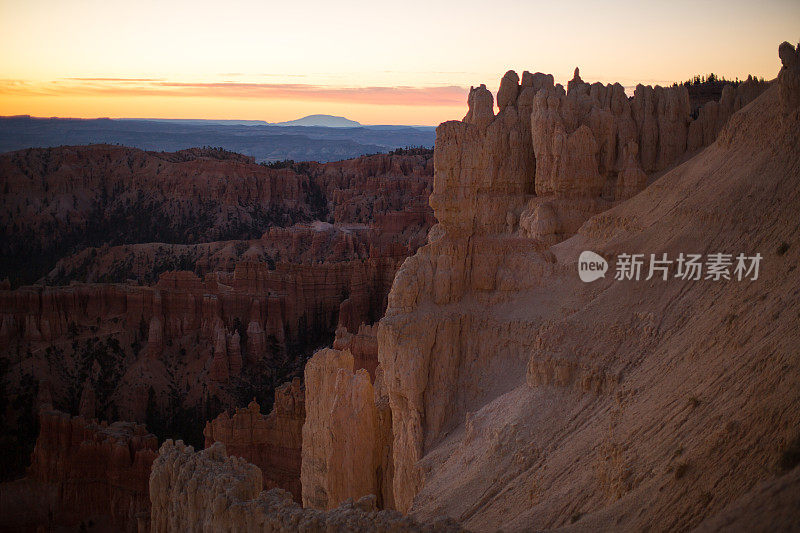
column 409, row 63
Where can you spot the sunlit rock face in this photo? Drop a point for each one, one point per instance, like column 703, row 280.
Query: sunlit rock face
column 347, row 436
column 507, row 186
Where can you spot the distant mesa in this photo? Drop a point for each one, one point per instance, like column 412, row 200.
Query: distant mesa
column 326, row 121
column 320, row 138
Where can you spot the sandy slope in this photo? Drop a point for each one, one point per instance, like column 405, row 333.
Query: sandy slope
column 676, row 397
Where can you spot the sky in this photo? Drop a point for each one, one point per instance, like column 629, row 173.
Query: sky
column 404, row 62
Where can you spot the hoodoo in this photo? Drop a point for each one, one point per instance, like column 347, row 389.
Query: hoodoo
column 514, row 385
column 577, row 312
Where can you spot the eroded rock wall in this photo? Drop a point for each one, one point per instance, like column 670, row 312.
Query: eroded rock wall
column 616, row 405
column 506, row 187
column 83, row 470
column 209, row 490
column 347, row 434
column 272, row 442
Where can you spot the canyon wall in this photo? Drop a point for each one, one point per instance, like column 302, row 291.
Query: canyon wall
column 506, row 187
column 614, row 405
column 173, row 332
column 272, row 301
column 211, row 490
column 252, row 269
column 82, row 471
column 214, row 331
column 272, row 443
column 58, row 199
column 372, row 206
column 347, row 439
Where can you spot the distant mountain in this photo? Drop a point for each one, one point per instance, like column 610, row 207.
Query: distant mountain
column 260, row 140
column 325, row 121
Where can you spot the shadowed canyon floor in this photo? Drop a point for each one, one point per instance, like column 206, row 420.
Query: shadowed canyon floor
column 113, row 331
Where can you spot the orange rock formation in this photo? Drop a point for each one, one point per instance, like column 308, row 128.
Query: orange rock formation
column 211, row 490
column 618, row 404
column 82, row 470
column 272, row 442
column 522, row 398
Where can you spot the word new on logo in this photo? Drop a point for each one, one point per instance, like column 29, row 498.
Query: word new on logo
column 591, row 266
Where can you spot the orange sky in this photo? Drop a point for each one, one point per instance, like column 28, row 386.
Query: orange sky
column 374, row 62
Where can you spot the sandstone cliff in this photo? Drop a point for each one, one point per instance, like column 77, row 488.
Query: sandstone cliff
column 195, row 325
column 347, row 439
column 209, row 490
column 506, row 187
column 272, row 442
column 82, row 471
column 525, row 399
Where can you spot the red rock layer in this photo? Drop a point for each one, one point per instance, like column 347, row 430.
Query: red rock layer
column 251, row 309
column 275, row 306
column 272, row 443
column 61, row 199
column 83, row 470
column 363, row 345
column 256, row 298
column 51, row 193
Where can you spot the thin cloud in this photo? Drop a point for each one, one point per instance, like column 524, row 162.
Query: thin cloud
column 272, row 75
column 116, row 79
column 376, row 95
